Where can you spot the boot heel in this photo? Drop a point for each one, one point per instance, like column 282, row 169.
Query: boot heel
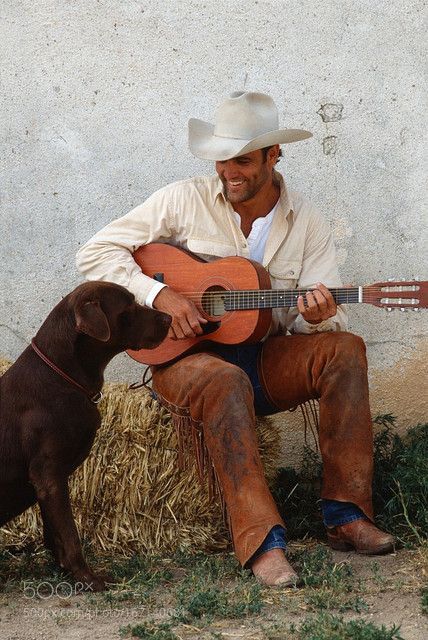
column 339, row 545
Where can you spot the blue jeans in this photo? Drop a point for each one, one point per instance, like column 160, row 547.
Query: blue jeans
column 275, row 539
column 247, row 358
column 335, row 513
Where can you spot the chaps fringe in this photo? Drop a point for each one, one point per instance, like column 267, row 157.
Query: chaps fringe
column 310, row 413
column 190, row 437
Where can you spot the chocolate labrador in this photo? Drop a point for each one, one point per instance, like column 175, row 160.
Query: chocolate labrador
column 48, row 407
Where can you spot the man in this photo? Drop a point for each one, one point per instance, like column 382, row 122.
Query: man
column 246, row 210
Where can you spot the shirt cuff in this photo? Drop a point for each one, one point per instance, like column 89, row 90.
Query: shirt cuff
column 302, row 326
column 153, row 293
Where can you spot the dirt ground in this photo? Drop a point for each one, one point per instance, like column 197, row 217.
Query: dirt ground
column 390, row 586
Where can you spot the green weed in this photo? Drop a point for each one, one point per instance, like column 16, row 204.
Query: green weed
column 196, row 601
column 377, row 578
column 22, row 567
column 328, row 585
column 325, row 626
column 424, row 600
column 297, row 494
column 400, row 488
column 318, row 569
column 209, row 567
column 149, row 631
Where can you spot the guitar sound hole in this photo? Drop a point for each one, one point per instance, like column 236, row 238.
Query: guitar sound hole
column 213, row 301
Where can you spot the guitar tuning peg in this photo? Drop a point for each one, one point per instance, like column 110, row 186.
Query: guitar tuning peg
column 416, row 309
column 389, row 308
column 391, row 280
column 403, row 309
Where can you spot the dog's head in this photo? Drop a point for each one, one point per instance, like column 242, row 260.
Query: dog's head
column 109, row 313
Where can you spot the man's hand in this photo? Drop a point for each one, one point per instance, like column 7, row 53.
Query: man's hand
column 186, row 319
column 319, row 306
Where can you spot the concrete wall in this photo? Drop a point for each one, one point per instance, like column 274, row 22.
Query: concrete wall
column 95, row 100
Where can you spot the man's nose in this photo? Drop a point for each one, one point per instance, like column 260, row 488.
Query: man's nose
column 230, row 171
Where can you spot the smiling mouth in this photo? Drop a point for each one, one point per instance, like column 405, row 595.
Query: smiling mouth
column 234, row 184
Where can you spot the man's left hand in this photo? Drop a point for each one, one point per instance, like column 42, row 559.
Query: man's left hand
column 317, row 305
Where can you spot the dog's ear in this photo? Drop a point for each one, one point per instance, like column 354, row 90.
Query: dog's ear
column 91, row 319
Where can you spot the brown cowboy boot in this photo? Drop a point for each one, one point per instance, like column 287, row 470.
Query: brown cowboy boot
column 362, row 536
column 272, row 569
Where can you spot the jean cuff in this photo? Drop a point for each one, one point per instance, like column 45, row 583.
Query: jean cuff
column 342, row 521
column 275, row 539
column 337, row 513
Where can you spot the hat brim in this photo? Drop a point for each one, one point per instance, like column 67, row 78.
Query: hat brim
column 207, row 146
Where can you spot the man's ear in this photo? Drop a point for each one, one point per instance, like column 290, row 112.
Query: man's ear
column 91, row 319
column 273, row 154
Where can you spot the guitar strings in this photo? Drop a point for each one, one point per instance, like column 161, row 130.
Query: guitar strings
column 274, row 294
column 242, row 300
column 280, row 291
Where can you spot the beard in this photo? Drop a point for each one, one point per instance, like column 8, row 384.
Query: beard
column 247, row 190
column 245, row 193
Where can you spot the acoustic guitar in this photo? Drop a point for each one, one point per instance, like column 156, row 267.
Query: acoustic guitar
column 235, row 296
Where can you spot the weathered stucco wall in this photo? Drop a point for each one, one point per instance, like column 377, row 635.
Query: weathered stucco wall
column 94, row 104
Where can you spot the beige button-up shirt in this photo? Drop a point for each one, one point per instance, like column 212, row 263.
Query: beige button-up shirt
column 194, row 214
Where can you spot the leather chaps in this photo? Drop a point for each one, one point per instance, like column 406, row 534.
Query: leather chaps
column 329, row 367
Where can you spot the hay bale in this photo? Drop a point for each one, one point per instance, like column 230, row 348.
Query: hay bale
column 130, row 494
column 4, row 365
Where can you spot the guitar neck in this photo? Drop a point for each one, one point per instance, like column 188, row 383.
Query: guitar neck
column 275, row 298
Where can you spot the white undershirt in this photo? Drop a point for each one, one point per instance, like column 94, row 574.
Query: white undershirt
column 258, row 234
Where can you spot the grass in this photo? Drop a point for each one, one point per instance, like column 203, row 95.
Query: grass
column 424, row 600
column 149, row 631
column 195, row 591
column 329, row 585
column 325, row 626
column 297, row 494
column 400, row 492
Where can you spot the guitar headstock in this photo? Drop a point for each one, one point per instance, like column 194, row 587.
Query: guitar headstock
column 401, row 294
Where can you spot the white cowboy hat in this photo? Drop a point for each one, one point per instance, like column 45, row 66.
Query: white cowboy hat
column 244, row 122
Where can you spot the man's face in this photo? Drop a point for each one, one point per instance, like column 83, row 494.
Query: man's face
column 244, row 176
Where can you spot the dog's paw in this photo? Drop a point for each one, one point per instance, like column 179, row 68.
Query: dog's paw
column 97, row 583
column 88, row 582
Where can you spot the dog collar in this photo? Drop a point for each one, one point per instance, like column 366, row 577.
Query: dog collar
column 93, row 397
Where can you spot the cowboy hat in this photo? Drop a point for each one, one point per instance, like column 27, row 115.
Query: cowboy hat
column 244, row 122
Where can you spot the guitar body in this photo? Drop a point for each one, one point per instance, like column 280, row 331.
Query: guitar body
column 199, row 280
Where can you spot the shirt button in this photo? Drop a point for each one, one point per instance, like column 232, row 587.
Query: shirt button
column 244, row 244
column 290, row 273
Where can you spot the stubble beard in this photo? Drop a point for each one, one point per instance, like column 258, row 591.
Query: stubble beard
column 235, row 198
column 248, row 192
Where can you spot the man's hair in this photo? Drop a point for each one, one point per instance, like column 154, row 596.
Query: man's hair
column 265, row 153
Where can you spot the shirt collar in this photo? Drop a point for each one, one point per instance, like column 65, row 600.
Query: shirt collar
column 218, row 190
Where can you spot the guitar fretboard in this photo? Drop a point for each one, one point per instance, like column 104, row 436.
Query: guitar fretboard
column 271, row 298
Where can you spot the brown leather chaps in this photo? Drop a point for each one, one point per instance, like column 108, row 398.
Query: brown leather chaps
column 330, row 367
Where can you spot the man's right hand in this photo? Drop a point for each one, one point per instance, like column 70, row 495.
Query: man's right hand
column 186, row 319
